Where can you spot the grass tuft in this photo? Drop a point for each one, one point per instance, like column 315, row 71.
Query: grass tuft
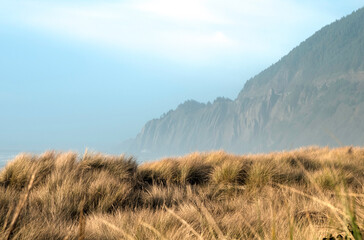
column 308, row 193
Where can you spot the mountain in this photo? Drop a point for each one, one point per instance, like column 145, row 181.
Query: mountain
column 313, row 96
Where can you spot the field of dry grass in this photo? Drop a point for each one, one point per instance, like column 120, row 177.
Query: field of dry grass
column 310, row 193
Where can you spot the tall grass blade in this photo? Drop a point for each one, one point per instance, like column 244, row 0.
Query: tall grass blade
column 20, row 206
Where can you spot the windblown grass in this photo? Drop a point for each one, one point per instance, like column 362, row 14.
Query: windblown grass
column 309, row 193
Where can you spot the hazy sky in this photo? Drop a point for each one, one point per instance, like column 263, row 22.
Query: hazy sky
column 76, row 74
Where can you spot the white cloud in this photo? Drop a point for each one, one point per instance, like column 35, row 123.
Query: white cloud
column 181, row 30
column 186, row 10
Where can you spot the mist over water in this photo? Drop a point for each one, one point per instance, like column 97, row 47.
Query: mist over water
column 6, row 156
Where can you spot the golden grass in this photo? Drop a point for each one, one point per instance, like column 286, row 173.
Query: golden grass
column 309, row 193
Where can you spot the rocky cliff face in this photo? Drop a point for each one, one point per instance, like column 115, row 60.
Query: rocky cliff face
column 312, row 96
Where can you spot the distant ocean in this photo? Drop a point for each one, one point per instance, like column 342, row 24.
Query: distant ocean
column 6, row 156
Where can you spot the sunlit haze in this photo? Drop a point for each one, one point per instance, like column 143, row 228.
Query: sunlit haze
column 77, row 74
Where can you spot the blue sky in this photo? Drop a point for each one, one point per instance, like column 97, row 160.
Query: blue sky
column 76, row 74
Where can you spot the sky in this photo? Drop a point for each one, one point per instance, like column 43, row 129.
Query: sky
column 89, row 74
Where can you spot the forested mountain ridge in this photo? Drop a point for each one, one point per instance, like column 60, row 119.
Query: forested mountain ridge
column 312, row 96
